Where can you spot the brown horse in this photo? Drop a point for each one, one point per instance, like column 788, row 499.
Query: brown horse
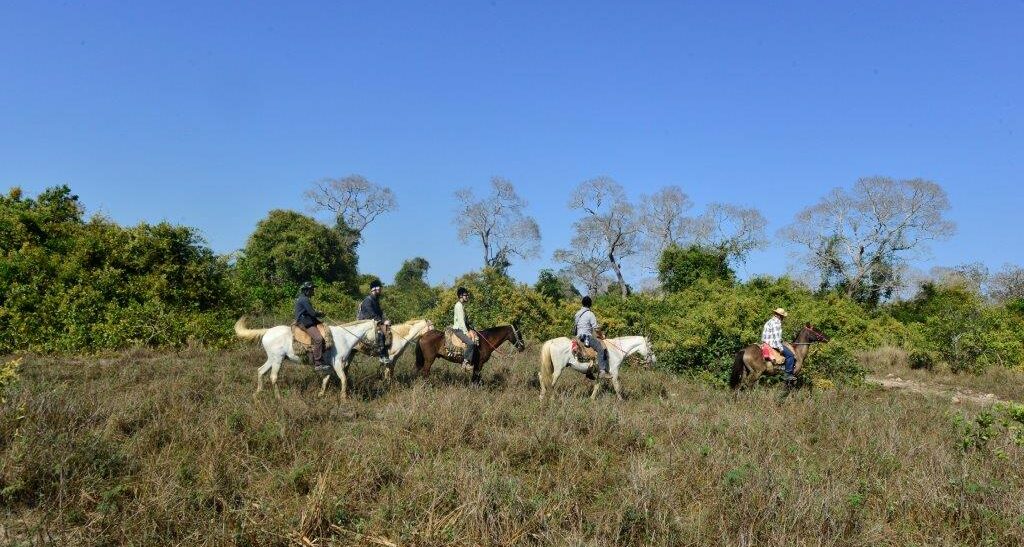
column 750, row 365
column 431, row 346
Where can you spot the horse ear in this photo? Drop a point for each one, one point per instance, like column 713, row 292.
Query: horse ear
column 808, row 325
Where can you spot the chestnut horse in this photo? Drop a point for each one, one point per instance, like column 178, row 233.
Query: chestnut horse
column 432, row 345
column 750, row 365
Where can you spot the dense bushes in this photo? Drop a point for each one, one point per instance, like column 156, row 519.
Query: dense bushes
column 70, row 285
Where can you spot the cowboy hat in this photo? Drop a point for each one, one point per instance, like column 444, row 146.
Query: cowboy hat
column 780, row 312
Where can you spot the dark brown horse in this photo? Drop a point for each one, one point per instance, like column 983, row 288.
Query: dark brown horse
column 750, row 365
column 431, row 346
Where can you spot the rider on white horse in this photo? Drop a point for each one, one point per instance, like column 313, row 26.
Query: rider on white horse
column 308, row 318
column 370, row 309
column 586, row 327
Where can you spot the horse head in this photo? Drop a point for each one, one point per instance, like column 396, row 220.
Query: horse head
column 812, row 334
column 517, row 338
column 648, row 352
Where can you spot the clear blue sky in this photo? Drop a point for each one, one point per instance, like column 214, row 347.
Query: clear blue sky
column 211, row 114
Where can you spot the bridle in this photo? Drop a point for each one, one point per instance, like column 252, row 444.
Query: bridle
column 518, row 342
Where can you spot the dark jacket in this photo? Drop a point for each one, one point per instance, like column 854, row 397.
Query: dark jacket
column 370, row 309
column 305, row 315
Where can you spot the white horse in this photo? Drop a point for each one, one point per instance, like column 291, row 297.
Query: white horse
column 556, row 356
column 277, row 342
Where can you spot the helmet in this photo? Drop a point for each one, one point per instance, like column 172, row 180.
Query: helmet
column 375, row 284
column 462, row 291
column 306, row 287
column 587, row 301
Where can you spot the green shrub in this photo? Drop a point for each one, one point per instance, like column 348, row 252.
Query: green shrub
column 922, row 359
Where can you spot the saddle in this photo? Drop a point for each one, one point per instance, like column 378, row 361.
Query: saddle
column 772, row 355
column 581, row 352
column 453, row 345
column 303, row 344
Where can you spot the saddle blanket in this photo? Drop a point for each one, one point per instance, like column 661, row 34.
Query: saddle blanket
column 302, row 343
column 772, row 355
column 581, row 352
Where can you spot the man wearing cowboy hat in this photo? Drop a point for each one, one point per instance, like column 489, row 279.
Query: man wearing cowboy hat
column 772, row 335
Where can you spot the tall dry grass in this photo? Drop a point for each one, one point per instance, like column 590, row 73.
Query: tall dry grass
column 159, row 449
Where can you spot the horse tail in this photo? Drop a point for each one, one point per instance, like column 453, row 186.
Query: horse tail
column 245, row 333
column 547, row 366
column 737, row 369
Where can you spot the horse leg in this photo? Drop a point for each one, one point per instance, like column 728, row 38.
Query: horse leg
column 343, row 378
column 259, row 375
column 424, row 367
column 753, row 377
column 597, row 389
column 617, row 385
column 273, row 379
column 555, row 376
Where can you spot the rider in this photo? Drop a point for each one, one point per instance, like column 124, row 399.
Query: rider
column 462, row 328
column 586, row 325
column 370, row 309
column 772, row 335
column 308, row 318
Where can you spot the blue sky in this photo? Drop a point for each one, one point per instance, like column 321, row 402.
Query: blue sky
column 212, row 114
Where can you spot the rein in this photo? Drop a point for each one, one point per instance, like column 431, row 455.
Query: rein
column 359, row 338
column 494, row 349
column 647, row 358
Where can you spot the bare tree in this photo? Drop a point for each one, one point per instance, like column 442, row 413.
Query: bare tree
column 498, row 223
column 972, row 276
column 352, row 199
column 663, row 220
column 609, row 223
column 859, row 240
column 585, row 264
column 730, row 229
column 1007, row 284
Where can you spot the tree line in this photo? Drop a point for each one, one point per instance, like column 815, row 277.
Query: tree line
column 71, row 284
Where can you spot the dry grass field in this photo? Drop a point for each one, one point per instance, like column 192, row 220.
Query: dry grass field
column 171, row 448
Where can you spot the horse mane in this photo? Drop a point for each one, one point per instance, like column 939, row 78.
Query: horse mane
column 403, row 329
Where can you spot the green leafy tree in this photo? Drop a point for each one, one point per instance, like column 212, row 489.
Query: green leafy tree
column 555, row 287
column 288, row 248
column 679, row 268
column 411, row 296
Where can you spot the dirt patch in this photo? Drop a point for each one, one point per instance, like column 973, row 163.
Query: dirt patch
column 956, row 395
